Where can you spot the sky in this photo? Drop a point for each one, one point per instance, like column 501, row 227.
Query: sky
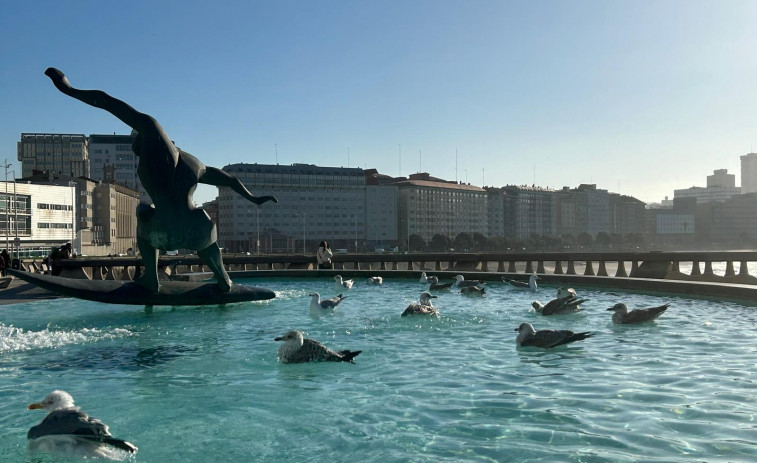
column 639, row 98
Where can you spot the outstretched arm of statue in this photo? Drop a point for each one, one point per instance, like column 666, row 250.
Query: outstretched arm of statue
column 217, row 177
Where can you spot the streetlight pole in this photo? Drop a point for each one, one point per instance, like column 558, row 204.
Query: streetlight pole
column 257, row 243
column 72, row 184
column 7, row 207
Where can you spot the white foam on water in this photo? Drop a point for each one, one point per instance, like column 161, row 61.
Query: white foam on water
column 14, row 339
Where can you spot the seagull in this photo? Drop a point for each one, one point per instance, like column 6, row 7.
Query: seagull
column 343, row 283
column 68, row 430
column 473, row 290
column 422, row 307
column 529, row 337
column 461, row 282
column 297, row 349
column 622, row 316
column 324, row 306
column 424, row 278
column 375, row 281
column 566, row 302
column 434, row 284
column 531, row 285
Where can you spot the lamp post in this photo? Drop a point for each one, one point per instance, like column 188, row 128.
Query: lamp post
column 72, row 184
column 7, row 207
column 257, row 243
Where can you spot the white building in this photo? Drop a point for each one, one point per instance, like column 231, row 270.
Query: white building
column 314, row 204
column 720, row 186
column 40, row 216
column 749, row 173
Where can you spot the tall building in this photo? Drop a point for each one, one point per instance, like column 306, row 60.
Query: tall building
column 111, row 159
column 720, row 186
column 66, row 154
column 734, row 221
column 315, row 204
column 585, row 209
column 428, row 205
column 749, row 173
column 627, row 214
column 529, row 211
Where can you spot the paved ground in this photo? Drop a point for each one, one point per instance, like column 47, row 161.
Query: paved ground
column 21, row 291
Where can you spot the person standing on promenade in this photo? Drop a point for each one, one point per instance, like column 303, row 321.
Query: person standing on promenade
column 323, row 255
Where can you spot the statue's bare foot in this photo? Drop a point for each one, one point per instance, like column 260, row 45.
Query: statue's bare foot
column 225, row 285
column 59, row 79
column 150, row 283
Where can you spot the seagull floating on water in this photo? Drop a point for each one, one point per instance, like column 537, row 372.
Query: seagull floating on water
column 531, row 285
column 375, row 281
column 67, row 430
column 529, row 337
column 298, row 349
column 423, row 306
column 340, row 283
column 323, row 306
column 623, row 316
column 461, row 282
column 424, row 278
column 434, row 284
column 567, row 301
column 473, row 290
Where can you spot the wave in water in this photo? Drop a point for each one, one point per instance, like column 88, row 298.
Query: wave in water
column 14, row 339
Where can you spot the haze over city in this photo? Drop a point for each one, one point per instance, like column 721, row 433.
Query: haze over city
column 638, row 98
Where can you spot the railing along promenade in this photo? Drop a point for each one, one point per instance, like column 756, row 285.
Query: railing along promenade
column 649, row 271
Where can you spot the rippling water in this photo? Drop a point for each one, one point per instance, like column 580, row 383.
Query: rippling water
column 194, row 384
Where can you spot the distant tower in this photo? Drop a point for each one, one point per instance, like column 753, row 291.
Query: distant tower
column 749, row 173
column 722, row 178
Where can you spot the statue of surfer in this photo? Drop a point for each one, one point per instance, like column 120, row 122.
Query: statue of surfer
column 170, row 176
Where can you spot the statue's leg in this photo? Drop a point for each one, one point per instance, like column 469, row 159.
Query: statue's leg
column 141, row 122
column 150, row 261
column 212, row 258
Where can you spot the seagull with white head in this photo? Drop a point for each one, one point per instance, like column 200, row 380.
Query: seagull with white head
column 422, row 306
column 299, row 349
column 68, row 431
column 622, row 316
column 529, row 337
column 530, row 286
column 342, row 283
column 320, row 306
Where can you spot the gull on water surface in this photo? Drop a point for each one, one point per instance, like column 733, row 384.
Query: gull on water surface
column 530, row 286
column 324, row 306
column 529, row 337
column 567, row 301
column 461, row 282
column 623, row 316
column 473, row 290
column 375, row 281
column 424, row 278
column 68, row 431
column 434, row 284
column 298, row 349
column 423, row 306
column 341, row 283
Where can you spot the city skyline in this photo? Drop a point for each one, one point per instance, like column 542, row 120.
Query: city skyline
column 640, row 99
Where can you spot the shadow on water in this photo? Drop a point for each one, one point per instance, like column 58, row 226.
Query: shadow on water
column 115, row 358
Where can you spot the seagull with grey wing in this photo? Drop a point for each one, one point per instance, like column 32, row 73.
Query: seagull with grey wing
column 320, row 306
column 298, row 349
column 375, row 281
column 342, row 283
column 434, row 285
column 422, row 306
column 461, row 282
column 529, row 337
column 530, row 286
column 623, row 316
column 473, row 290
column 567, row 301
column 68, row 431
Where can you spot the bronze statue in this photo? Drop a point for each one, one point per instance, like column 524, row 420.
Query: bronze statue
column 170, row 176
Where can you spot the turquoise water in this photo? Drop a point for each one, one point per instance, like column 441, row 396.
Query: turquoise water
column 203, row 384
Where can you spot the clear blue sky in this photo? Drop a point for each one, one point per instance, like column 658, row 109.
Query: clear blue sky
column 638, row 97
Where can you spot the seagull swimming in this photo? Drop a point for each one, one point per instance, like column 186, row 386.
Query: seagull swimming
column 375, row 281
column 623, row 316
column 323, row 306
column 67, row 430
column 529, row 337
column 424, row 278
column 567, row 301
column 531, row 285
column 422, row 307
column 340, row 283
column 461, row 282
column 434, row 284
column 473, row 290
column 298, row 349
